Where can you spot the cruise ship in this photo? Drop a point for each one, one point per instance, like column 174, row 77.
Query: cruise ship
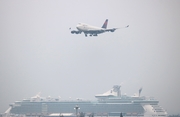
column 111, row 103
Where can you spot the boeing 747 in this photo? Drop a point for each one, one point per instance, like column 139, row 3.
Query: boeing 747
column 93, row 30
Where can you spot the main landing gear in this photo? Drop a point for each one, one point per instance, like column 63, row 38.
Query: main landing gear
column 91, row 35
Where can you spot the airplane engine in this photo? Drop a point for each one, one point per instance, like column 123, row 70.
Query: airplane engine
column 76, row 32
column 72, row 32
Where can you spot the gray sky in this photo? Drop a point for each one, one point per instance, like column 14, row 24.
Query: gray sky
column 39, row 54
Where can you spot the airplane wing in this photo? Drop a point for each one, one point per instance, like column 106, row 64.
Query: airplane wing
column 113, row 29
column 94, row 31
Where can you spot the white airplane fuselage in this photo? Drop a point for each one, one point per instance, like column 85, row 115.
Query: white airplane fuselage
column 86, row 28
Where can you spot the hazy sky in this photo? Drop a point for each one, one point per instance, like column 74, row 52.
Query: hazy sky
column 39, row 54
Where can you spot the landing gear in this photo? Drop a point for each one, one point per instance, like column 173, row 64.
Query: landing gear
column 91, row 35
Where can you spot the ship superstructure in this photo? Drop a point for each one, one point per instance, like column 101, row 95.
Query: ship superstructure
column 111, row 103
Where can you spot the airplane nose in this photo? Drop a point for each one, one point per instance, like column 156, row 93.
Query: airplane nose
column 78, row 26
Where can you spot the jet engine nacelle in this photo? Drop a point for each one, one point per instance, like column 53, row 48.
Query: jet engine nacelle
column 113, row 30
column 77, row 32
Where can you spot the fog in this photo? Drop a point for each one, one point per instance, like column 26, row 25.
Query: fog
column 39, row 54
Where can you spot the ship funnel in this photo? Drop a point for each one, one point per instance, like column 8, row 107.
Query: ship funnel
column 140, row 91
column 116, row 88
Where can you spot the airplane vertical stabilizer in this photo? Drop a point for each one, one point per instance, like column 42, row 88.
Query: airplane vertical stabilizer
column 105, row 24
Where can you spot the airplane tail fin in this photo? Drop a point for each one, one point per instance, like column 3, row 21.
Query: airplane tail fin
column 105, row 24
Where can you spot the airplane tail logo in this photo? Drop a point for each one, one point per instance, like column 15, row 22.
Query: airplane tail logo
column 105, row 24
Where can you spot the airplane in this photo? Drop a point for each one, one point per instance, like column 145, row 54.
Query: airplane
column 93, row 30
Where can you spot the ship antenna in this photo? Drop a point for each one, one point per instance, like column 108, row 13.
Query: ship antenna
column 140, row 91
